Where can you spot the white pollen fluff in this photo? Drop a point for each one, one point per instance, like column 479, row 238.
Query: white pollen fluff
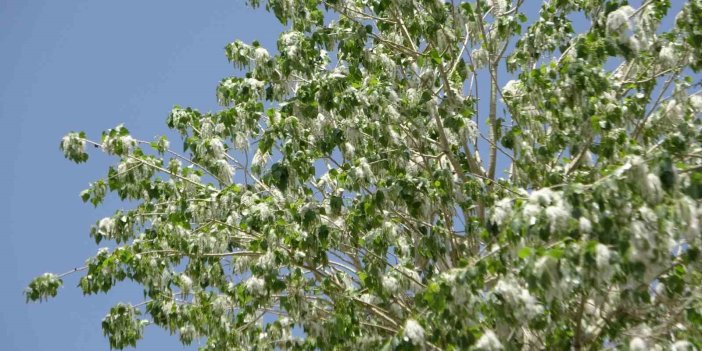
column 667, row 55
column 339, row 72
column 544, row 265
column 480, row 57
column 513, row 88
column 390, row 284
column 263, row 211
column 585, row 225
column 637, row 344
column 502, row 210
column 358, row 173
column 524, row 304
column 255, row 285
column 498, row 6
column 618, row 20
column 696, row 103
column 350, row 150
column 267, row 261
column 67, row 141
column 291, row 42
column 557, row 217
column 531, row 212
column 542, row 196
column 254, row 83
column 186, row 282
column 688, row 212
column 410, row 274
column 228, row 84
column 673, row 111
column 261, row 55
column 225, row 171
column 634, row 44
column 602, row 256
column 643, row 241
column 128, row 142
column 217, row 148
column 106, row 226
column 299, row 255
column 648, row 215
column 682, row 345
column 653, row 189
column 489, row 342
column 369, row 299
column 414, row 332
column 260, row 159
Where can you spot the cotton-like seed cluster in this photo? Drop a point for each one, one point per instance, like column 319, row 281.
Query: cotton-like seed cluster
column 263, row 211
column 501, row 211
column 690, row 214
column 118, row 144
column 551, row 204
column 602, row 256
column 522, row 302
column 409, row 275
column 619, row 20
column 290, row 43
column 480, row 57
column 267, row 260
column 682, row 345
column 413, row 332
column 179, row 117
column 260, row 159
column 637, row 344
column 253, row 83
column 673, row 111
column 667, row 56
column 261, row 55
column 256, row 285
column 643, row 242
column 224, row 171
column 186, row 283
column 497, row 7
column 106, row 227
column 390, row 284
column 513, row 88
column 585, row 225
column 489, row 341
column 72, row 145
column 696, row 103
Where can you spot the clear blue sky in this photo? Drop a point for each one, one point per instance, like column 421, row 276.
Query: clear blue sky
column 90, row 65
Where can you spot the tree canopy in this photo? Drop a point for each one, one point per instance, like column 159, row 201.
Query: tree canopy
column 421, row 175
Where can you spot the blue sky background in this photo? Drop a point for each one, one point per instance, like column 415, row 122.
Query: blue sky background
column 90, row 65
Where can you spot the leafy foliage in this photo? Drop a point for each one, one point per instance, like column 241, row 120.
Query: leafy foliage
column 350, row 193
column 43, row 287
column 121, row 326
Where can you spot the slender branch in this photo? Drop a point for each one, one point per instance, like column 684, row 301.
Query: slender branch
column 639, row 128
column 578, row 342
column 74, row 270
column 492, row 115
column 152, row 166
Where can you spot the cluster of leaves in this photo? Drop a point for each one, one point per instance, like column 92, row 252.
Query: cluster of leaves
column 43, row 287
column 348, row 190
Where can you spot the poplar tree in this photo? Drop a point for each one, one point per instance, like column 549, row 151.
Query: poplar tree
column 420, row 175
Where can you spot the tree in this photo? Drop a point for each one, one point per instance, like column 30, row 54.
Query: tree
column 349, row 194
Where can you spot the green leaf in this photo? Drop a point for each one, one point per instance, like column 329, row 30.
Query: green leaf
column 43, row 287
column 525, row 252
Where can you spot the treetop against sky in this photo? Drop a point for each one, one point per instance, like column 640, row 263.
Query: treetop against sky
column 349, row 193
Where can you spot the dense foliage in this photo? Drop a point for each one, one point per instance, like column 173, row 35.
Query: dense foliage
column 422, row 174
